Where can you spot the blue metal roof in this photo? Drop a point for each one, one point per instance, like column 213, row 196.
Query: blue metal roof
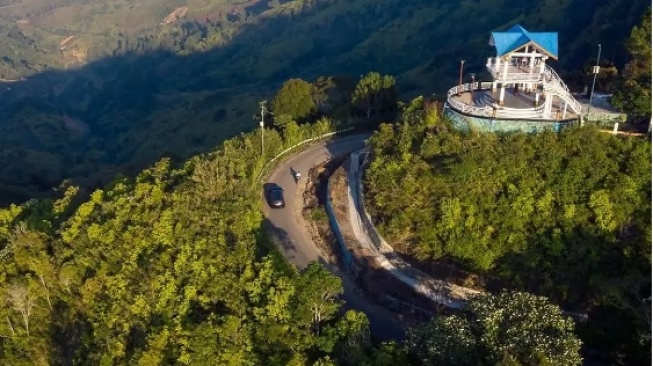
column 517, row 37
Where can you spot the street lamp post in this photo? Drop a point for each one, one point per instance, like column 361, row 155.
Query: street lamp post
column 264, row 111
column 595, row 71
column 471, row 89
column 460, row 82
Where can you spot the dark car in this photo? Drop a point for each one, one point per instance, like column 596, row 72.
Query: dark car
column 275, row 197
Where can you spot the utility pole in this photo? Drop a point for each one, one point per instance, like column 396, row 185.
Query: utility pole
column 460, row 82
column 595, row 71
column 471, row 90
column 264, row 111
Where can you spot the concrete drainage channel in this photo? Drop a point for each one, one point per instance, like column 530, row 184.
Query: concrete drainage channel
column 326, row 192
column 379, row 254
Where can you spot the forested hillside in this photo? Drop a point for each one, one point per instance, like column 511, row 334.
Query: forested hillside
column 128, row 87
column 173, row 268
column 566, row 215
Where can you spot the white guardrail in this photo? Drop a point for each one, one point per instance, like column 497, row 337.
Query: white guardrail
column 489, row 111
column 441, row 292
column 558, row 87
column 263, row 169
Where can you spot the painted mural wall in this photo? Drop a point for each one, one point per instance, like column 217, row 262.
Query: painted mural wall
column 464, row 122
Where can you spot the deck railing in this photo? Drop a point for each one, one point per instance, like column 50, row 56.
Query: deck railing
column 490, row 111
column 554, row 83
column 515, row 72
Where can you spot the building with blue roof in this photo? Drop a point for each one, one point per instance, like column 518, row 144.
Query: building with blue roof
column 523, row 86
column 517, row 37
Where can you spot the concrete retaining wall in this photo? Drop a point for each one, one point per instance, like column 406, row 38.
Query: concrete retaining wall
column 465, row 122
column 333, row 222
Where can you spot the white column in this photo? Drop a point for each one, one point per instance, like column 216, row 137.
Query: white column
column 502, row 94
column 494, row 86
column 537, row 99
column 505, row 69
column 616, row 128
column 548, row 106
column 564, row 110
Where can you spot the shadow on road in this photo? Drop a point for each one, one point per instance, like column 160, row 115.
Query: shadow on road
column 280, row 238
column 384, row 325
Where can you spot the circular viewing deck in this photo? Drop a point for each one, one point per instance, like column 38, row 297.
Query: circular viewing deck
column 517, row 105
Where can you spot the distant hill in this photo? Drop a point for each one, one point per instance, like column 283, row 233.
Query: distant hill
column 143, row 86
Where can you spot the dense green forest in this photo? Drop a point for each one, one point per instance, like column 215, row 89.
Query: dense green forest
column 633, row 94
column 135, row 259
column 126, row 89
column 563, row 215
column 173, row 268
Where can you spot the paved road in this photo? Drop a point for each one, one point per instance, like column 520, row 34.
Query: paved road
column 297, row 245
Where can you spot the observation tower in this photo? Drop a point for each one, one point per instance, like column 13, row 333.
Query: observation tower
column 525, row 93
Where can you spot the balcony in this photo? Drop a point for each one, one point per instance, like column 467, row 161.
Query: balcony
column 516, row 72
column 518, row 105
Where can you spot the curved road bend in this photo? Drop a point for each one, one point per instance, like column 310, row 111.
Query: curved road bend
column 297, row 245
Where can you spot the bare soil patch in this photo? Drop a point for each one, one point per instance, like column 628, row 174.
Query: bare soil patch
column 313, row 210
column 376, row 284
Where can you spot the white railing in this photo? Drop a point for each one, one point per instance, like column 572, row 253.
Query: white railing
column 515, row 76
column 553, row 84
column 489, row 111
column 265, row 167
column 464, row 107
column 440, row 292
column 527, row 75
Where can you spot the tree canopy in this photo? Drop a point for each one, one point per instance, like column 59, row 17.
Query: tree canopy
column 565, row 215
column 375, row 96
column 295, row 99
column 507, row 329
column 169, row 268
column 634, row 95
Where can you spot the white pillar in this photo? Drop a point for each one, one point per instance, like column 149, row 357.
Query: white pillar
column 537, row 99
column 616, row 128
column 564, row 110
column 548, row 106
column 502, row 94
column 494, row 86
column 505, row 69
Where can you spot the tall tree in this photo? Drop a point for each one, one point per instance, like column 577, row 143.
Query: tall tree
column 295, row 99
column 317, row 291
column 375, row 95
column 509, row 328
column 634, row 95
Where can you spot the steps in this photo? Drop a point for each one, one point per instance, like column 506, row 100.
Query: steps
column 553, row 85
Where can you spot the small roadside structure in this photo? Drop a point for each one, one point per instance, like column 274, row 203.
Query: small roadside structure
column 525, row 93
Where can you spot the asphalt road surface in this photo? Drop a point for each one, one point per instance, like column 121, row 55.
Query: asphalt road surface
column 297, row 245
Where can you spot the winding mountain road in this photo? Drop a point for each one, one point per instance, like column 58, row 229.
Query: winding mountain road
column 296, row 243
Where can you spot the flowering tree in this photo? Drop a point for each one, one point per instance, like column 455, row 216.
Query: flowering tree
column 510, row 328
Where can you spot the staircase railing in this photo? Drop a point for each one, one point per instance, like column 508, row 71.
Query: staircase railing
column 554, row 85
